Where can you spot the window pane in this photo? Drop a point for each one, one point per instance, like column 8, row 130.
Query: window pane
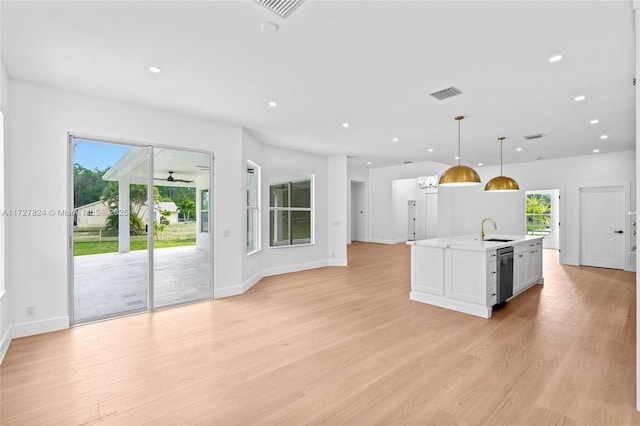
column 204, row 199
column 252, row 193
column 279, row 195
column 301, row 227
column 538, row 214
column 279, row 233
column 252, row 226
column 301, row 194
column 204, row 222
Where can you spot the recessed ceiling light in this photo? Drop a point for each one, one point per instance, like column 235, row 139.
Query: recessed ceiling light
column 604, row 137
column 430, row 150
column 345, row 125
column 368, row 163
column 480, row 164
column 555, row 58
column 594, row 121
column 596, row 151
column 457, row 158
column 580, row 98
column 273, row 104
column 269, row 27
column 518, row 149
column 395, row 140
column 154, row 70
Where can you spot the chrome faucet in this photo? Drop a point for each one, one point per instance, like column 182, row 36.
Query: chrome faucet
column 482, row 226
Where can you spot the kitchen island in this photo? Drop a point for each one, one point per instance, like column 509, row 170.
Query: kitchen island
column 460, row 273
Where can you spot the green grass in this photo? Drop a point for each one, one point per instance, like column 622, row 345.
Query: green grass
column 86, row 241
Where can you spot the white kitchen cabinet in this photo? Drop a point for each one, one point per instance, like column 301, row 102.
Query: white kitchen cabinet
column 460, row 273
column 527, row 265
column 427, row 273
column 468, row 275
column 519, row 267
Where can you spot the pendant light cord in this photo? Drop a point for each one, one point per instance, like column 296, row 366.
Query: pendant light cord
column 501, row 158
column 458, row 142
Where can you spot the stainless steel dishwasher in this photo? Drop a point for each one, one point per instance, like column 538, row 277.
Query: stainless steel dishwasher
column 505, row 276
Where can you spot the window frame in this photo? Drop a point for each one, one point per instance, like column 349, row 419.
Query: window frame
column 253, row 211
column 203, row 211
column 289, row 210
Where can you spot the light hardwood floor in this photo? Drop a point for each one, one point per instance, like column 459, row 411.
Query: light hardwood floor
column 342, row 345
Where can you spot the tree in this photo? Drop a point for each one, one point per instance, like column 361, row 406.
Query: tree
column 159, row 228
column 538, row 212
column 187, row 208
column 88, row 185
column 137, row 199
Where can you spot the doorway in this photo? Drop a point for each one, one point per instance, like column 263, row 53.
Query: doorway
column 358, row 212
column 602, row 226
column 542, row 215
column 411, row 220
column 136, row 246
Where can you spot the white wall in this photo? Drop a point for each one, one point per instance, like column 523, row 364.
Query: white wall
column 381, row 218
column 36, row 170
column 252, row 264
column 5, row 297
column 337, row 208
column 467, row 206
column 277, row 260
column 357, row 203
column 461, row 209
column 402, row 191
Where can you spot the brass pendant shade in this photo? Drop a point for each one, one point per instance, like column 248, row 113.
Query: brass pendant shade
column 502, row 183
column 459, row 175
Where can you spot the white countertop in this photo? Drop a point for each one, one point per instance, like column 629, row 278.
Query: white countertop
column 473, row 242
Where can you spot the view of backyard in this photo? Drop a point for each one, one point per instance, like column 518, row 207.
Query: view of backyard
column 538, row 213
column 98, row 240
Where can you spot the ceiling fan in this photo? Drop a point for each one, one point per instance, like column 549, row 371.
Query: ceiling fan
column 170, row 178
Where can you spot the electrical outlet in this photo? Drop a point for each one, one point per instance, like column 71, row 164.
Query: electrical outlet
column 31, row 310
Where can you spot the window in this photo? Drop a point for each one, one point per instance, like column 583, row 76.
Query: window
column 253, row 207
column 538, row 214
column 204, row 210
column 291, row 209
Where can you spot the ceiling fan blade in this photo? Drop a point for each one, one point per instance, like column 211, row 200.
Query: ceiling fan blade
column 183, row 180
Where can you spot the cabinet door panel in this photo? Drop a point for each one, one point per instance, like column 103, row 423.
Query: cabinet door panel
column 468, row 276
column 429, row 266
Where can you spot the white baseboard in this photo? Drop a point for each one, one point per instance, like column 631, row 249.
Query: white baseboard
column 24, row 329
column 448, row 303
column 337, row 262
column 251, row 282
column 4, row 344
column 31, row 328
column 219, row 293
column 380, row 241
column 294, row 268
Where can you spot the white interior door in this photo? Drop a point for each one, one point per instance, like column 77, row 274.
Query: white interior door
column 602, row 217
column 411, row 220
column 357, row 211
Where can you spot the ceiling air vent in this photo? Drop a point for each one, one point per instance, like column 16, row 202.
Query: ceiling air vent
column 534, row 136
column 446, row 93
column 282, row 8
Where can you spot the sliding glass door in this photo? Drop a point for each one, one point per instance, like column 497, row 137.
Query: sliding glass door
column 115, row 217
column 181, row 253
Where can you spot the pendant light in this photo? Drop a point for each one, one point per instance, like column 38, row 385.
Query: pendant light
column 459, row 175
column 502, row 183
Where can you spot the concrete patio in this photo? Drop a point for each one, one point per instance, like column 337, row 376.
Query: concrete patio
column 116, row 283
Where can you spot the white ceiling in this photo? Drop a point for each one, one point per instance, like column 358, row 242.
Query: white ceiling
column 369, row 63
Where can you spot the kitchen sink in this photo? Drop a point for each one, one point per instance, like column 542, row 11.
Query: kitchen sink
column 497, row 240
